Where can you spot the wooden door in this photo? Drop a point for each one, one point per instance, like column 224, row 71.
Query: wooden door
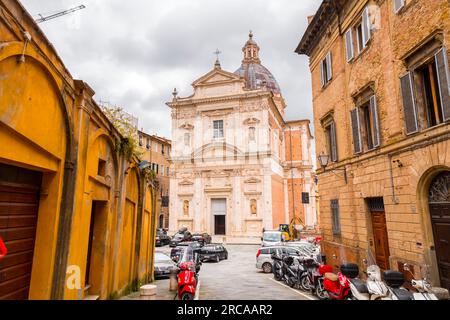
column 380, row 236
column 219, row 228
column 18, row 221
column 440, row 219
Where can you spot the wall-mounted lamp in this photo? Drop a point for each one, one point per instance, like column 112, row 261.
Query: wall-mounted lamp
column 324, row 160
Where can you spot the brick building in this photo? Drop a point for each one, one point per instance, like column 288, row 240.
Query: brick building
column 380, row 78
column 156, row 150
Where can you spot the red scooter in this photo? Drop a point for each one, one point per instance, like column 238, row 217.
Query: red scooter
column 187, row 281
column 337, row 286
column 3, row 250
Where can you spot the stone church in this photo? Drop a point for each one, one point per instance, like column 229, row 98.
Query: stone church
column 237, row 166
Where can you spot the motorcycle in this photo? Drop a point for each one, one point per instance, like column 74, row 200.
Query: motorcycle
column 394, row 281
column 188, row 269
column 277, row 266
column 337, row 286
column 373, row 289
column 293, row 271
column 422, row 286
column 312, row 279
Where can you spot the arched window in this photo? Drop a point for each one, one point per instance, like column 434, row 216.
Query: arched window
column 187, row 139
column 252, row 134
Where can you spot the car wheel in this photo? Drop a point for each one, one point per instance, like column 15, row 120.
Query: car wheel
column 267, row 267
column 217, row 259
column 187, row 296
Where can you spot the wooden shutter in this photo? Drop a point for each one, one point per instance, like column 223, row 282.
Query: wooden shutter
column 375, row 122
column 333, row 139
column 443, row 81
column 398, row 4
column 322, row 74
column 409, row 103
column 329, row 67
column 349, row 45
column 366, row 26
column 356, row 129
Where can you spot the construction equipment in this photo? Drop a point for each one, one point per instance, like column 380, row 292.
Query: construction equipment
column 292, row 230
column 58, row 14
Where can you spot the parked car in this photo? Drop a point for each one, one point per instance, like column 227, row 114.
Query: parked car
column 176, row 252
column 181, row 236
column 272, row 238
column 309, row 248
column 202, row 237
column 264, row 260
column 163, row 265
column 213, row 252
column 162, row 238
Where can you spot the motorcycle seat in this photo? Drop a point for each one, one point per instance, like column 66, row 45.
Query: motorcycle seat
column 332, row 277
column 361, row 286
column 402, row 294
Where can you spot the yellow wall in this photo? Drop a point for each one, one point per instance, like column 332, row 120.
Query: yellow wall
column 50, row 123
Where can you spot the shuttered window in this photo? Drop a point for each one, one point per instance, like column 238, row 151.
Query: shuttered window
column 349, row 45
column 375, row 122
column 333, row 142
column 326, row 70
column 409, row 103
column 366, row 26
column 335, row 219
column 398, row 5
column 442, row 68
column 356, row 130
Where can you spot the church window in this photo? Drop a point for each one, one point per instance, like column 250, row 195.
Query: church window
column 187, row 139
column 218, row 129
column 251, row 134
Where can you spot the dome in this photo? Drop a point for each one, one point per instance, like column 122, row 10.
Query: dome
column 255, row 74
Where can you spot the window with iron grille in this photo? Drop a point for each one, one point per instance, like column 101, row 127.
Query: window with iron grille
column 165, row 201
column 376, row 204
column 218, row 129
column 335, row 219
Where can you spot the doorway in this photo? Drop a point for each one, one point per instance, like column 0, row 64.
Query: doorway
column 439, row 202
column 95, row 254
column 380, row 234
column 219, row 210
column 19, row 206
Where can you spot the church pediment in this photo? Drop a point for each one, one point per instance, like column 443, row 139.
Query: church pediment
column 216, row 76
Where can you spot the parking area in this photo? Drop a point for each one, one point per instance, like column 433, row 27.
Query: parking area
column 238, row 279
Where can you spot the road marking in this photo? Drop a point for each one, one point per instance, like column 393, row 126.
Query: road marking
column 298, row 292
column 197, row 291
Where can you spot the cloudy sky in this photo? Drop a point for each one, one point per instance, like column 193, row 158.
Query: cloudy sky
column 133, row 53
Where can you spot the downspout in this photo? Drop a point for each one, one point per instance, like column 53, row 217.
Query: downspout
column 292, row 175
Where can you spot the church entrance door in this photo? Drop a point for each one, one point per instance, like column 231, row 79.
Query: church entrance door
column 219, row 211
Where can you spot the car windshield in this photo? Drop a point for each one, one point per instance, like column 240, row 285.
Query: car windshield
column 162, row 258
column 272, row 237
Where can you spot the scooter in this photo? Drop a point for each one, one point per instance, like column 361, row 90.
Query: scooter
column 289, row 270
column 394, row 281
column 373, row 289
column 187, row 281
column 3, row 249
column 312, row 279
column 277, row 267
column 337, row 286
column 422, row 286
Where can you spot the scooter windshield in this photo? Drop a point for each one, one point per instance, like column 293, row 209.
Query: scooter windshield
column 374, row 273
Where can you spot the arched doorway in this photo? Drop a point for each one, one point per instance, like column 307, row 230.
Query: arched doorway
column 439, row 201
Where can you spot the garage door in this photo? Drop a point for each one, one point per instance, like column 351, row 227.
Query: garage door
column 18, row 220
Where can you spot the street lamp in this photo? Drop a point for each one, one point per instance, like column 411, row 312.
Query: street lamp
column 324, row 160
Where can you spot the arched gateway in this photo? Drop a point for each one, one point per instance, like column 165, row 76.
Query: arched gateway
column 439, row 200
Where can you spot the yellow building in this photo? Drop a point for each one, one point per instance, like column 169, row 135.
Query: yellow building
column 381, row 98
column 76, row 214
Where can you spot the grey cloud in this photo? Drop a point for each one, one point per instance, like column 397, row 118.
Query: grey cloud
column 133, row 53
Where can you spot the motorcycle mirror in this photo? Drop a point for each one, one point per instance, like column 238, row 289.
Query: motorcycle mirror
column 406, row 267
column 365, row 262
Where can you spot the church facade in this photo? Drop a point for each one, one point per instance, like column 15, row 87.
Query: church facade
column 237, row 167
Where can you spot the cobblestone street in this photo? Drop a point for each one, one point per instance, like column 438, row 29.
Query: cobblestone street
column 238, row 279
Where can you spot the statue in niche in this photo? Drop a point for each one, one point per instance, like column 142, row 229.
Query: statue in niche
column 186, row 208
column 253, row 207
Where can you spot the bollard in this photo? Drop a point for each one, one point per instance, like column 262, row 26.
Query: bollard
column 173, row 285
column 148, row 292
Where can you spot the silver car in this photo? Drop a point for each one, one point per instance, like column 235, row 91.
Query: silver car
column 163, row 265
column 264, row 260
